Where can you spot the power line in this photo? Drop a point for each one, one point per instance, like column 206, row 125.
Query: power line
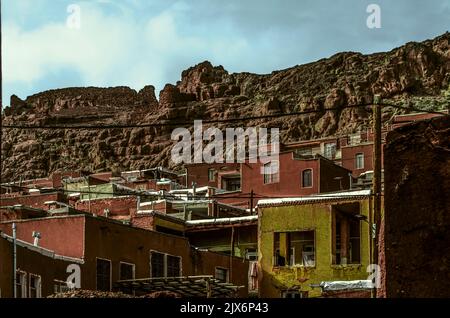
column 212, row 121
column 174, row 196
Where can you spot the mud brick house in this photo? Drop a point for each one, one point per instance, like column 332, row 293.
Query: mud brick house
column 305, row 241
column 224, row 176
column 18, row 212
column 354, row 151
column 36, row 200
column 105, row 190
column 296, row 176
column 171, row 217
column 154, row 179
column 74, row 185
column 38, row 185
column 108, row 251
column 235, row 235
column 121, row 207
column 40, row 272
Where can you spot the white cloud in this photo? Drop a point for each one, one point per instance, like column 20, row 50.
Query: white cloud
column 93, row 49
column 108, row 50
column 136, row 43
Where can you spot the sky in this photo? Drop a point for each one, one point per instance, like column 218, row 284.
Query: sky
column 48, row 44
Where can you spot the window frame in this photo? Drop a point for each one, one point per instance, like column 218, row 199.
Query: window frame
column 22, row 282
column 38, row 288
column 227, row 272
column 302, row 294
column 333, row 150
column 60, row 286
column 165, row 264
column 126, row 263
column 253, row 253
column 272, row 177
column 361, row 155
column 303, row 178
column 287, row 261
column 213, row 178
column 110, row 272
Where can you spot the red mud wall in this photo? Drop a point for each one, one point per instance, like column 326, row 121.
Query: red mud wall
column 417, row 205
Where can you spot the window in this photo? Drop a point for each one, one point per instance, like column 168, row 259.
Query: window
column 294, row 294
column 359, row 161
column 304, row 152
column 60, row 286
column 231, row 184
column 103, row 274
column 34, row 289
column 126, row 271
column 157, row 264
column 307, row 178
column 294, row 248
column 221, row 274
column 211, row 174
column 271, row 173
column 21, row 284
column 330, row 150
column 347, row 234
column 165, row 265
column 354, row 139
column 251, row 254
column 355, row 242
column 173, row 266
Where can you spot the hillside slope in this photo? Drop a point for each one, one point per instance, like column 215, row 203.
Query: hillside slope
column 416, row 73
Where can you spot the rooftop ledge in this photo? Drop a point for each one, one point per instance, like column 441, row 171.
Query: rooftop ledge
column 346, row 267
column 280, row 268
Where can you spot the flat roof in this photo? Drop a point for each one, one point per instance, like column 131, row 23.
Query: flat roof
column 346, row 285
column 41, row 250
column 187, row 286
column 319, row 198
column 230, row 220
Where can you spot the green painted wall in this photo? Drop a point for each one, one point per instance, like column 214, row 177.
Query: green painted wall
column 75, row 186
column 109, row 189
column 317, row 217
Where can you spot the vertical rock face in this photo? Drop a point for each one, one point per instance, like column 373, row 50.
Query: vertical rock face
column 417, row 210
column 416, row 73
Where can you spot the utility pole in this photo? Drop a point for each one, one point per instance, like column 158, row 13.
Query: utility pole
column 89, row 192
column 376, row 175
column 14, row 259
column 1, row 99
column 251, row 202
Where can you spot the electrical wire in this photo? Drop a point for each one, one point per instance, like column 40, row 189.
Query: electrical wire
column 174, row 196
column 211, row 121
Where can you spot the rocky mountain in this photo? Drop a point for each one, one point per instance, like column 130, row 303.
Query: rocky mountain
column 415, row 74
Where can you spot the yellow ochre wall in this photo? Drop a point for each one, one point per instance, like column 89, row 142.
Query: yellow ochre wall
column 317, row 217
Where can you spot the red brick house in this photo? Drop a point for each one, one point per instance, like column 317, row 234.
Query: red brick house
column 108, row 251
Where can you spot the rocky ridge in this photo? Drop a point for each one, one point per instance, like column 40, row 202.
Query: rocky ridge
column 416, row 73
